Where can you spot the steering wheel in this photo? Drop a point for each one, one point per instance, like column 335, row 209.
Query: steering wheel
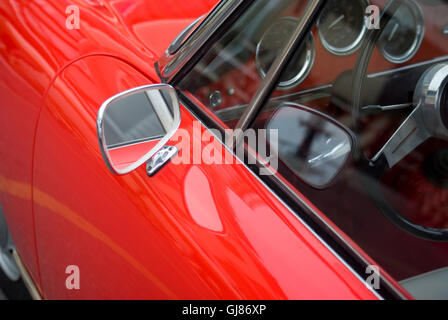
column 429, row 118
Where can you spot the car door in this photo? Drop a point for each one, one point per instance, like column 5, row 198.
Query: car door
column 194, row 230
column 191, row 231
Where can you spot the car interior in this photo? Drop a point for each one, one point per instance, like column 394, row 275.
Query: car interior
column 361, row 112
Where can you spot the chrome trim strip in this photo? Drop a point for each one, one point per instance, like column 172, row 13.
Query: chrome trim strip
column 32, row 289
column 177, row 43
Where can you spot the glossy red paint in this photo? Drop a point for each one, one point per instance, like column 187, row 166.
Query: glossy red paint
column 192, row 231
column 155, row 23
column 34, row 47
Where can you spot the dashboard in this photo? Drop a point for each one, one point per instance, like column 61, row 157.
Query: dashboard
column 415, row 34
column 341, row 29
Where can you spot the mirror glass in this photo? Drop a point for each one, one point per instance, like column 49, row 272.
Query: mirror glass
column 134, row 125
column 310, row 144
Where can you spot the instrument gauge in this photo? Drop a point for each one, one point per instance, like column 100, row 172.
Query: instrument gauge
column 341, row 26
column 270, row 46
column 403, row 34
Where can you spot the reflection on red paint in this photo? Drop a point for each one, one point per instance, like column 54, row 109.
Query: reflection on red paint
column 203, row 210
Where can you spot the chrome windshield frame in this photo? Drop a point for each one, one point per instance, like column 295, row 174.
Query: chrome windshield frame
column 272, row 77
column 170, row 67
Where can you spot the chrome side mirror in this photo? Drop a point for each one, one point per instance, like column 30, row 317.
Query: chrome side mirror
column 134, row 125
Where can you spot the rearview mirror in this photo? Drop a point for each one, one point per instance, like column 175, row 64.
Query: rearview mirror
column 134, row 125
column 311, row 144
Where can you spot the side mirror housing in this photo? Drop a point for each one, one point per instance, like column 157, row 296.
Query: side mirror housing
column 134, row 125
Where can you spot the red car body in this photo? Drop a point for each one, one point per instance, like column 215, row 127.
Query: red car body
column 193, row 232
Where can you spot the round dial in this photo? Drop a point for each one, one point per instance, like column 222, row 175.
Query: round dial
column 403, row 34
column 270, row 46
column 341, row 25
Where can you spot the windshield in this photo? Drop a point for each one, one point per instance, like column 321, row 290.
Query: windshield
column 362, row 118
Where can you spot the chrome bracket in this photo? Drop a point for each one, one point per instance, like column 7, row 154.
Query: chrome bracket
column 158, row 160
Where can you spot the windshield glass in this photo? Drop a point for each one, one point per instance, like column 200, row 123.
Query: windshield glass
column 362, row 119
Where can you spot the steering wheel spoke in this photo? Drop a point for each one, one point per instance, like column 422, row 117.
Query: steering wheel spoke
column 407, row 138
column 379, row 108
column 428, row 119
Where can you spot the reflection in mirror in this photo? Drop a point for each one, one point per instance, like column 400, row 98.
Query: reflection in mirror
column 311, row 144
column 134, row 119
column 134, row 125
